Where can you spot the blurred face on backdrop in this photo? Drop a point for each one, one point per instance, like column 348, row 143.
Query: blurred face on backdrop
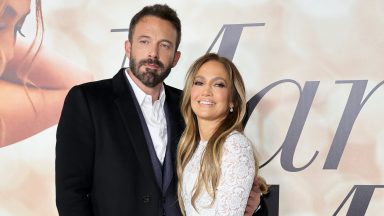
column 210, row 92
column 12, row 16
column 152, row 51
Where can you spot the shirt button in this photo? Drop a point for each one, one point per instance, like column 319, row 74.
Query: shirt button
column 146, row 199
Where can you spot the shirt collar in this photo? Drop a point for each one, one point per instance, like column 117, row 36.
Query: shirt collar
column 141, row 96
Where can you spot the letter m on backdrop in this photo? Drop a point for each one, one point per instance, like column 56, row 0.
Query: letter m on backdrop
column 231, row 37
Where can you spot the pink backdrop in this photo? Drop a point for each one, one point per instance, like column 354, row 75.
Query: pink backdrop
column 335, row 46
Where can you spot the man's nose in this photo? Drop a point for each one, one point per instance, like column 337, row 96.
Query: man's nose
column 154, row 51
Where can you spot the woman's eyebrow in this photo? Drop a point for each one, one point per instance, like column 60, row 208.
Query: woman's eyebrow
column 11, row 12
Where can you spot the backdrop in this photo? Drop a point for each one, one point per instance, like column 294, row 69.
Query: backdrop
column 313, row 71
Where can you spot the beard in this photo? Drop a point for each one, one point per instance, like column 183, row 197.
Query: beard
column 150, row 77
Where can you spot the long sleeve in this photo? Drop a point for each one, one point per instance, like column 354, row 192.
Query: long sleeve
column 237, row 174
column 74, row 156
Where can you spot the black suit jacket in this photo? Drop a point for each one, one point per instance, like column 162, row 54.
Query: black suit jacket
column 103, row 166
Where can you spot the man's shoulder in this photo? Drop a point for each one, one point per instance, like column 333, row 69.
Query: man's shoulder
column 172, row 92
column 173, row 89
column 93, row 91
column 104, row 85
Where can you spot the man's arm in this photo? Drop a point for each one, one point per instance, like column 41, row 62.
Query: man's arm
column 74, row 157
column 253, row 204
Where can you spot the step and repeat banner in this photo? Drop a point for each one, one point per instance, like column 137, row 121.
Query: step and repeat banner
column 314, row 75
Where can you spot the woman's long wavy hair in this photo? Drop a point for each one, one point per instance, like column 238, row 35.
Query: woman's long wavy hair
column 23, row 69
column 209, row 173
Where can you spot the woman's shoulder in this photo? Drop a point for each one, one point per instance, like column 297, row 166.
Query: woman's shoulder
column 237, row 135
column 237, row 139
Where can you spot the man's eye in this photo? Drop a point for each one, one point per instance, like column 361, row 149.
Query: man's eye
column 166, row 46
column 143, row 42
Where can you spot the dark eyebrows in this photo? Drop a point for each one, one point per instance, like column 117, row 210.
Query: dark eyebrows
column 143, row 37
column 148, row 37
column 213, row 80
column 9, row 12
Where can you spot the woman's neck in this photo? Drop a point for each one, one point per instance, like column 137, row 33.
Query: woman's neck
column 207, row 129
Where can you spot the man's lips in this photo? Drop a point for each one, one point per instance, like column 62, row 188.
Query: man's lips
column 152, row 66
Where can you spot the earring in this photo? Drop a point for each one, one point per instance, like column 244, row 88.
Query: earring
column 231, row 108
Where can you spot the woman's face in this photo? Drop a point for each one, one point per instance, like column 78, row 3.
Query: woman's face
column 210, row 92
column 12, row 15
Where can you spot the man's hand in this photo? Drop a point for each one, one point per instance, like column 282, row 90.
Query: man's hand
column 254, row 198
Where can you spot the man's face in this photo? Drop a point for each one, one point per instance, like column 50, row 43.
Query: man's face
column 152, row 50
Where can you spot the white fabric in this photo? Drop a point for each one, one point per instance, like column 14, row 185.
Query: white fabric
column 154, row 117
column 237, row 174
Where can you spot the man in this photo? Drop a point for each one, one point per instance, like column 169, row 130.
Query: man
column 117, row 138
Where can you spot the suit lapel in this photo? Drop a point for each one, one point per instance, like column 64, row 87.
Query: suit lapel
column 125, row 104
column 172, row 113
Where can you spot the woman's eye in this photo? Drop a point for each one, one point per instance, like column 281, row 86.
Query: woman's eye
column 18, row 30
column 19, row 26
column 198, row 83
column 220, row 85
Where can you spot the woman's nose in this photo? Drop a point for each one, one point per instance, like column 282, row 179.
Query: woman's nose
column 207, row 91
column 7, row 47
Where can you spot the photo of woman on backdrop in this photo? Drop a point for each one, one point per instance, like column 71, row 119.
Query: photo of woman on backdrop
column 33, row 80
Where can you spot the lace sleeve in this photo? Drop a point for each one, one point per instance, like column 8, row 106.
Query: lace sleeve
column 237, row 174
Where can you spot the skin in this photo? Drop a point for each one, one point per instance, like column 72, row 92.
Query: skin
column 210, row 97
column 254, row 198
column 11, row 21
column 34, row 107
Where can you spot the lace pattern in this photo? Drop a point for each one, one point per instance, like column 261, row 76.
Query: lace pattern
column 237, row 174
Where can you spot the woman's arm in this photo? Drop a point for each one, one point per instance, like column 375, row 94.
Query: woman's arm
column 49, row 70
column 237, row 175
column 27, row 110
column 25, row 115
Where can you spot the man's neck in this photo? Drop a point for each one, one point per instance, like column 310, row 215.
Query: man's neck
column 154, row 92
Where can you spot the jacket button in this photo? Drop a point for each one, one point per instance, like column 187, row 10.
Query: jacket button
column 146, row 199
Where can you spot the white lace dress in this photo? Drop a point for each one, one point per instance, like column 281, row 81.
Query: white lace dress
column 237, row 174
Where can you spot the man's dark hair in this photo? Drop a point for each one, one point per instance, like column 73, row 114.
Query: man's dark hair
column 161, row 11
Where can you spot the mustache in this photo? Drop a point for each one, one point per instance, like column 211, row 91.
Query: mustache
column 151, row 61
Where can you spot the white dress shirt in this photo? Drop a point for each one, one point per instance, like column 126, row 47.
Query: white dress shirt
column 154, row 117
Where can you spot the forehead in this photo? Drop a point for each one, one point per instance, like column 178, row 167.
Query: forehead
column 212, row 69
column 156, row 27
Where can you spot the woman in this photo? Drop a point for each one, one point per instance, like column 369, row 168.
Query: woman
column 215, row 161
column 33, row 81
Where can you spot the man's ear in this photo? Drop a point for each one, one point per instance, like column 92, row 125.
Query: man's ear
column 127, row 49
column 176, row 58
